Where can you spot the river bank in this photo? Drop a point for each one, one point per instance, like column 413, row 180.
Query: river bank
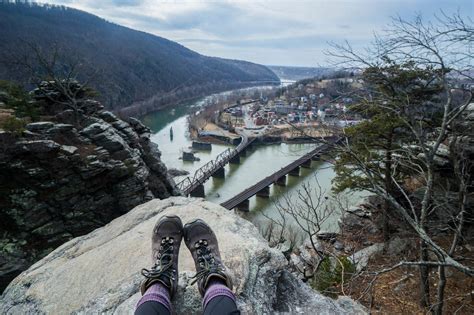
column 177, row 98
column 300, row 133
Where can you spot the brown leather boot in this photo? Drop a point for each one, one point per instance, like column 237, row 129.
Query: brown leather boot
column 166, row 239
column 202, row 243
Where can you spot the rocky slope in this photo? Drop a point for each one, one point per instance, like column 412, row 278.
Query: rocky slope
column 100, row 272
column 63, row 178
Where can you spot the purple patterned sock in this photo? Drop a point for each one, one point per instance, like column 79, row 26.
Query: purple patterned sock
column 158, row 293
column 216, row 288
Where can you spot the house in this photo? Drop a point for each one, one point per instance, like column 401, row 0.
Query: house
column 283, row 109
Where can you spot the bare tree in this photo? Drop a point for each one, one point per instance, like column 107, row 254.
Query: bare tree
column 310, row 211
column 439, row 57
column 55, row 74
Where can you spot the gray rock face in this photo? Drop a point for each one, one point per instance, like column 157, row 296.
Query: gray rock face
column 59, row 180
column 175, row 172
column 357, row 219
column 361, row 258
column 99, row 273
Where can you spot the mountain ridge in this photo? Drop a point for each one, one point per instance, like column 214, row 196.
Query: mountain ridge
column 134, row 66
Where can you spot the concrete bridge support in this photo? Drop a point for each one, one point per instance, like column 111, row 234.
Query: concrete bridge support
column 306, row 164
column 220, row 173
column 264, row 193
column 244, row 206
column 281, row 181
column 295, row 171
column 198, row 192
column 315, row 157
column 235, row 160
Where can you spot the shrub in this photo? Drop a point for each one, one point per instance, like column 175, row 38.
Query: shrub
column 13, row 124
column 331, row 273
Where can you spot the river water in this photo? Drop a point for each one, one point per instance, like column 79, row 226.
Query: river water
column 260, row 162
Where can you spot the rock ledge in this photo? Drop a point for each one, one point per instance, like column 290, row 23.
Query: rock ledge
column 100, row 272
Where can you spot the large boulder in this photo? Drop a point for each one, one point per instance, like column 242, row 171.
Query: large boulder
column 362, row 257
column 100, row 273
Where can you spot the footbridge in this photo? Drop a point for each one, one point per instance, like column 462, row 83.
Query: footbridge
column 262, row 188
column 194, row 185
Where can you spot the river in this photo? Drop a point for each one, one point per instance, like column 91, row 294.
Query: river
column 260, row 162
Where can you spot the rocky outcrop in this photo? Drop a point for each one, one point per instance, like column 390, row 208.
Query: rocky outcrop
column 100, row 272
column 64, row 177
column 358, row 219
column 175, row 172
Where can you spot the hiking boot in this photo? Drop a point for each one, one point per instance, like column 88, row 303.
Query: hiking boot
column 165, row 243
column 202, row 243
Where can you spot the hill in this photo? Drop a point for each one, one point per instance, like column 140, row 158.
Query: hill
column 299, row 73
column 131, row 67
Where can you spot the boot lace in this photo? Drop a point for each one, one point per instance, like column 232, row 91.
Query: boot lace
column 206, row 261
column 163, row 267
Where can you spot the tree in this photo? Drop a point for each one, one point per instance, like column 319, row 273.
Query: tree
column 19, row 100
column 429, row 62
column 54, row 73
column 311, row 211
column 380, row 135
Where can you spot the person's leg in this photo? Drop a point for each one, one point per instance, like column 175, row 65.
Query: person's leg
column 214, row 283
column 152, row 308
column 219, row 299
column 161, row 280
column 156, row 300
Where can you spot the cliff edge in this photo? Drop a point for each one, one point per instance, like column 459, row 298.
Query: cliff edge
column 100, row 272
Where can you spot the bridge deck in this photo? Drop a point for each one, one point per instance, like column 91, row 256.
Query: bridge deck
column 267, row 181
column 202, row 174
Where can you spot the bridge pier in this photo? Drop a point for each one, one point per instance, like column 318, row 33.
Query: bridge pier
column 306, row 164
column 315, row 157
column 235, row 160
column 264, row 193
column 198, row 192
column 220, row 173
column 281, row 181
column 244, row 206
column 295, row 171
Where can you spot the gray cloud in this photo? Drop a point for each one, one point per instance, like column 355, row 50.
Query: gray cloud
column 127, row 2
column 264, row 31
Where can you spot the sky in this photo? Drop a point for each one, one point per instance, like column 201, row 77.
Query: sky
column 270, row 32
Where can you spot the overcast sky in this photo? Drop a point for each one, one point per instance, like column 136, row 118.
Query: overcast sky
column 271, row 32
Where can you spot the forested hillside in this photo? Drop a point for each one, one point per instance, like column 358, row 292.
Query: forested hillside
column 128, row 66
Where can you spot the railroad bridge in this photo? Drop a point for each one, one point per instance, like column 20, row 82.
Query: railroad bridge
column 262, row 188
column 194, row 186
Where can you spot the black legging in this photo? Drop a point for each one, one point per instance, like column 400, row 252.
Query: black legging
column 220, row 305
